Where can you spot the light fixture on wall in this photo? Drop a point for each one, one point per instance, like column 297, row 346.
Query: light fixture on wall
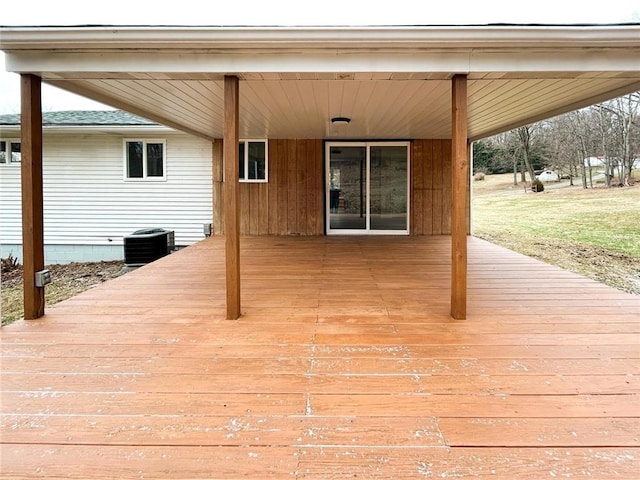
column 340, row 120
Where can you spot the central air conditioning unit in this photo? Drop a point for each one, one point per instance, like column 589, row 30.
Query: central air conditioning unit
column 146, row 245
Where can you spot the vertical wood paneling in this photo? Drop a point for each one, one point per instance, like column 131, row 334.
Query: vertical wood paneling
column 263, row 208
column 427, row 194
column 273, row 190
column 245, row 208
column 217, row 188
column 291, row 202
column 437, row 190
column 430, row 187
column 301, row 184
column 446, row 186
column 417, row 186
column 292, row 187
column 315, row 188
column 282, row 185
column 252, row 207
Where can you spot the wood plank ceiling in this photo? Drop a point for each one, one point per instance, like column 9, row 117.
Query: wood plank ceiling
column 297, row 106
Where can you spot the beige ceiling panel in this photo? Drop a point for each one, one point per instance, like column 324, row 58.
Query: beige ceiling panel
column 539, row 100
column 498, row 96
column 378, row 108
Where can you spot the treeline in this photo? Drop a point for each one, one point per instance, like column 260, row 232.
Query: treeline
column 603, row 138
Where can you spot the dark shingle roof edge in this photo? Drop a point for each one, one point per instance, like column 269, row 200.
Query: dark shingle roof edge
column 83, row 118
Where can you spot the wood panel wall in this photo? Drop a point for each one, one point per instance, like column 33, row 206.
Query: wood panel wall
column 292, row 202
column 431, row 187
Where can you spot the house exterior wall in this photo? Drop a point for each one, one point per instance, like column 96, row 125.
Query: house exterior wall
column 88, row 205
column 292, row 202
column 431, row 187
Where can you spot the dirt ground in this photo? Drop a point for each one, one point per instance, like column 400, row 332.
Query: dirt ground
column 611, row 268
column 67, row 280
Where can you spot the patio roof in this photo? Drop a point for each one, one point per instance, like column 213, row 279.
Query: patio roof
column 393, row 82
column 345, row 363
column 458, row 82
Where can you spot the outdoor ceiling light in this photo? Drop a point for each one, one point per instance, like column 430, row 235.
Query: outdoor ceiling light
column 340, row 120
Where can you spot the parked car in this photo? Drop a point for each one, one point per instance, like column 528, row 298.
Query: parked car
column 548, row 176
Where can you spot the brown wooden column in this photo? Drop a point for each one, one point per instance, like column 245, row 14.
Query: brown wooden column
column 231, row 194
column 217, row 222
column 32, row 203
column 459, row 194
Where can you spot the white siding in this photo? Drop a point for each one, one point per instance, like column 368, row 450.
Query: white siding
column 88, row 202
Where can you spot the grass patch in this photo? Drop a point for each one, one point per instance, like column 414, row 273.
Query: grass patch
column 595, row 232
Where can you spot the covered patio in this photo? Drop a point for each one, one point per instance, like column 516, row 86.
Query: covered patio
column 433, row 88
column 345, row 363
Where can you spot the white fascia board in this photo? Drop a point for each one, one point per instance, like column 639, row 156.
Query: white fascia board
column 574, row 60
column 102, row 37
column 217, row 65
column 124, row 65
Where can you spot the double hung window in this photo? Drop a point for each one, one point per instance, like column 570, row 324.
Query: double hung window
column 145, row 159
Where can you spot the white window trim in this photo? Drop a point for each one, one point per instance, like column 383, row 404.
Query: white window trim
column 367, row 230
column 9, row 161
column 246, row 160
column 144, row 177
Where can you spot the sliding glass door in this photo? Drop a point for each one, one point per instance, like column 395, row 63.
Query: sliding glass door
column 367, row 187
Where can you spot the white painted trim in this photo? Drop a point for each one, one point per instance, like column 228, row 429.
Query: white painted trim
column 285, row 37
column 246, row 160
column 145, row 177
column 127, row 65
column 9, row 162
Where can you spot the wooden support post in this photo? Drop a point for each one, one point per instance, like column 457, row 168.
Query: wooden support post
column 32, row 203
column 217, row 222
column 231, row 194
column 459, row 194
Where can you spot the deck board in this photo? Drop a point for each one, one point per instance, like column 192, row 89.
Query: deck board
column 345, row 363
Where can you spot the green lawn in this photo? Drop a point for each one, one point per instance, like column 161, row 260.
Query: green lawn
column 595, row 232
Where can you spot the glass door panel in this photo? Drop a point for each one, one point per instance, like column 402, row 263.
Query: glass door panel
column 388, row 187
column 347, row 188
column 367, row 187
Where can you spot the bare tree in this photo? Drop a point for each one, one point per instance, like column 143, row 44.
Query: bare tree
column 625, row 110
column 524, row 136
column 609, row 131
column 583, row 142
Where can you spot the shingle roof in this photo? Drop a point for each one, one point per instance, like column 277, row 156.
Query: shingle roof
column 82, row 117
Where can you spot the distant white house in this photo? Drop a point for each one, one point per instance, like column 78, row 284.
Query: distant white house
column 548, row 176
column 600, row 161
column 106, row 174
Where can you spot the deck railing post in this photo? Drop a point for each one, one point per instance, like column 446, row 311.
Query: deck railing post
column 459, row 197
column 231, row 194
column 32, row 198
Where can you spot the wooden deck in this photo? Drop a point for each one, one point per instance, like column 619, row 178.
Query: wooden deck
column 345, row 364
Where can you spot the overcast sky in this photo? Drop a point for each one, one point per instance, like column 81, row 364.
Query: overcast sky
column 288, row 12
